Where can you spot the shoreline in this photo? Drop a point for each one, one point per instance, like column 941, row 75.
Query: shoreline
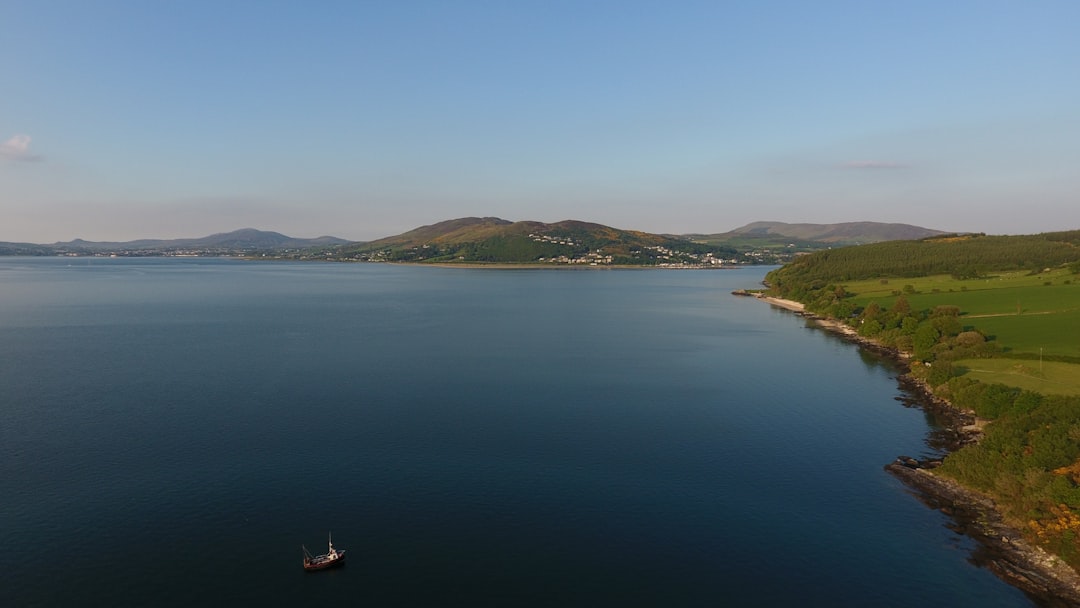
column 509, row 266
column 541, row 266
column 1003, row 549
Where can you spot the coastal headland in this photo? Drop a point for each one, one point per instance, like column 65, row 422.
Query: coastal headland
column 1002, row 548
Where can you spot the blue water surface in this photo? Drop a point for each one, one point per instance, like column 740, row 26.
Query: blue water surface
column 174, row 429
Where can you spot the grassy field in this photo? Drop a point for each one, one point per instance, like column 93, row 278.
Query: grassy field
column 1023, row 312
column 1002, row 293
column 1054, row 333
column 1047, row 377
column 1028, row 315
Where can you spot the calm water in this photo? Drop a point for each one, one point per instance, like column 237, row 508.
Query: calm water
column 171, row 431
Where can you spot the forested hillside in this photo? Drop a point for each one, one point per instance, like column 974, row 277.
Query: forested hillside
column 846, row 233
column 961, row 256
column 494, row 240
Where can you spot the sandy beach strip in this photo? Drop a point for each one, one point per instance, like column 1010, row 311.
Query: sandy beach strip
column 782, row 303
column 830, row 324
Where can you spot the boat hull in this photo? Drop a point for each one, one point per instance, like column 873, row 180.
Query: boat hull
column 322, row 562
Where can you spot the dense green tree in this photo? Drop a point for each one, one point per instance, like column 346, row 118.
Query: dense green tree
column 844, row 310
column 947, row 325
column 869, row 329
column 939, row 373
column 872, row 312
column 924, row 339
column 969, row 339
column 901, row 307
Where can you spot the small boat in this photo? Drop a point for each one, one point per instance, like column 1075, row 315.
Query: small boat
column 331, row 558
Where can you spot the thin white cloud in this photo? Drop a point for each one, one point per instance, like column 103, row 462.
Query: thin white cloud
column 873, row 164
column 17, row 148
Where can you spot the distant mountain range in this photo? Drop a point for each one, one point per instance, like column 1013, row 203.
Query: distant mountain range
column 492, row 239
column 848, row 233
column 247, row 239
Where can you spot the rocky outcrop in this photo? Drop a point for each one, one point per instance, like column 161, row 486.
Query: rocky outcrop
column 1002, row 549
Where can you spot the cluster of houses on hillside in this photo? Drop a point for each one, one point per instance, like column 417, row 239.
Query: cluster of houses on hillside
column 683, row 259
column 665, row 257
column 558, row 240
column 593, row 258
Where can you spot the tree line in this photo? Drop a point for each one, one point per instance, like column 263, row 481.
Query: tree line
column 963, row 256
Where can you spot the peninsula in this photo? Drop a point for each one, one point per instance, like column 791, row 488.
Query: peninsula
column 987, row 328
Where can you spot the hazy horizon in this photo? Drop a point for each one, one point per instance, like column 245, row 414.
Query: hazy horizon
column 124, row 120
column 316, row 236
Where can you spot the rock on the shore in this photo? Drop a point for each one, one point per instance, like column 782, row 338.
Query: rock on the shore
column 1045, row 577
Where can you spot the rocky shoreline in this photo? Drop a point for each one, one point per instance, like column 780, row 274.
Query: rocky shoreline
column 1047, row 579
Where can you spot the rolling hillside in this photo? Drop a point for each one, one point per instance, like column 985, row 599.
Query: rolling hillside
column 964, row 256
column 495, row 240
column 809, row 237
column 492, row 239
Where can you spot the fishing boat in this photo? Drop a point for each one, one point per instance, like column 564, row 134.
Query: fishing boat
column 331, row 558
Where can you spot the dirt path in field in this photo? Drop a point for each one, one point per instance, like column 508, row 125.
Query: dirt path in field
column 1023, row 314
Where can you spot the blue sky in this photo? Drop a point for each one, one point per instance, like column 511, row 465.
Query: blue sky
column 124, row 120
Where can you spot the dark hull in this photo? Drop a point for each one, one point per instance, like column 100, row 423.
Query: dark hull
column 321, row 562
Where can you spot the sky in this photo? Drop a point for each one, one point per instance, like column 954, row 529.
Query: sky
column 362, row 119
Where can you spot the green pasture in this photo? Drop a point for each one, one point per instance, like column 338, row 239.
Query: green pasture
column 1056, row 333
column 1022, row 312
column 1000, row 293
column 1046, row 377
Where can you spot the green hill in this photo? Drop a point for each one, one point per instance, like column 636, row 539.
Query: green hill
column 962, row 256
column 811, row 237
column 495, row 240
column 1023, row 290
